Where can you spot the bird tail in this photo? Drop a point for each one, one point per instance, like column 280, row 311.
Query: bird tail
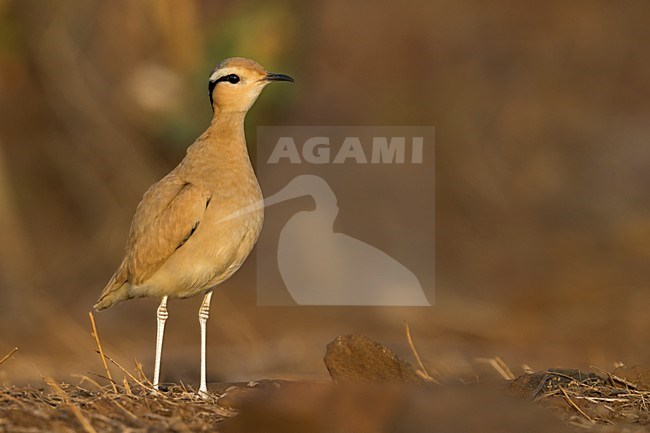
column 116, row 291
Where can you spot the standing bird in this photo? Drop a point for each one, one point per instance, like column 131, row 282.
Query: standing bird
column 182, row 240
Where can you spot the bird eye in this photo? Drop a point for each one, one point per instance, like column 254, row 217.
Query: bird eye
column 232, row 79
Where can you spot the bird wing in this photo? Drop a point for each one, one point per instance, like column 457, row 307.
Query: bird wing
column 169, row 213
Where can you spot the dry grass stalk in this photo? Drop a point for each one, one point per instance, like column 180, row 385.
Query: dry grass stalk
column 613, row 378
column 101, row 351
column 143, row 377
column 575, row 406
column 505, row 368
column 74, row 408
column 127, row 387
column 422, row 371
column 128, row 373
column 623, row 400
column 8, row 355
column 68, row 408
column 124, row 410
column 500, row 367
column 85, row 378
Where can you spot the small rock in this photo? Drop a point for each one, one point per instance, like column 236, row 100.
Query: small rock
column 357, row 358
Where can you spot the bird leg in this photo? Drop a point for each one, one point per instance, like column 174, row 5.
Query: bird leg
column 162, row 316
column 204, row 313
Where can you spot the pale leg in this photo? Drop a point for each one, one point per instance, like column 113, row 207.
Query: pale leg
column 161, row 316
column 204, row 313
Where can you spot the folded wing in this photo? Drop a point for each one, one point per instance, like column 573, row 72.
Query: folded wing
column 166, row 218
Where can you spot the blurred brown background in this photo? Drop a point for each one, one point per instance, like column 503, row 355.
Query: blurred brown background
column 543, row 165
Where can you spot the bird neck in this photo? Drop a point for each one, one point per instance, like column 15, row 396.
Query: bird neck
column 223, row 145
column 227, row 122
column 227, row 133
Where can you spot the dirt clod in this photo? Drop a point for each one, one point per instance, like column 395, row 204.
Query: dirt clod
column 357, row 358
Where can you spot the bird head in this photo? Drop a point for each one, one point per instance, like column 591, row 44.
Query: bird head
column 236, row 83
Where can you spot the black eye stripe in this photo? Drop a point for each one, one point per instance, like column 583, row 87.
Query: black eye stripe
column 232, row 79
column 211, row 86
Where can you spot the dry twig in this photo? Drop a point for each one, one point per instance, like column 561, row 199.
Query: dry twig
column 575, row 406
column 85, row 378
column 500, row 367
column 74, row 408
column 422, row 372
column 8, row 355
column 143, row 377
column 125, row 371
column 101, row 351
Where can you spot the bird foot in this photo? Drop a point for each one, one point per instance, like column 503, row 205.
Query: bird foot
column 203, row 394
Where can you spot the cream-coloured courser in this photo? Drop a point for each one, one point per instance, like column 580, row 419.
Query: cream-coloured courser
column 184, row 239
